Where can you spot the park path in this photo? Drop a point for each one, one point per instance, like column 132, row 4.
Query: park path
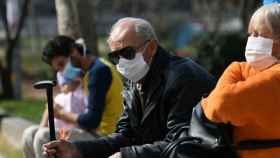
column 1, row 156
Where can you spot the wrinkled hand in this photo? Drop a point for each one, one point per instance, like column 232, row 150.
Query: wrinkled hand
column 116, row 155
column 61, row 149
column 57, row 110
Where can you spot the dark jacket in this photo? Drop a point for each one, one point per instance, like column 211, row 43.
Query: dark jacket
column 171, row 88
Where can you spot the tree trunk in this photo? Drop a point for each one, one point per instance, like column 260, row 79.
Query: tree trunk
column 76, row 19
column 67, row 17
column 86, row 10
column 12, row 42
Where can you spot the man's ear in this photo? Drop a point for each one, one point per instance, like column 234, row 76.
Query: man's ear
column 151, row 49
column 154, row 46
column 75, row 52
column 72, row 51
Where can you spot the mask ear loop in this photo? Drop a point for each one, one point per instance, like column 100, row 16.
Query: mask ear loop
column 81, row 42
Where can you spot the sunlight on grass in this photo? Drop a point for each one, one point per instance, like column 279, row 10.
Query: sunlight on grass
column 28, row 108
column 8, row 150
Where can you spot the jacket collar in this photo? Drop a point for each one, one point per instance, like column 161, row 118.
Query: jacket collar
column 157, row 68
column 153, row 80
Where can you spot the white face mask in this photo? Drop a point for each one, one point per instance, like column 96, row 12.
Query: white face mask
column 134, row 69
column 259, row 52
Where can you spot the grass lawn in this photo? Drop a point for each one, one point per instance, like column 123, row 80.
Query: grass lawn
column 30, row 109
column 8, row 150
column 27, row 108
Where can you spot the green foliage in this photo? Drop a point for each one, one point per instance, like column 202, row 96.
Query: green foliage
column 27, row 108
column 34, row 67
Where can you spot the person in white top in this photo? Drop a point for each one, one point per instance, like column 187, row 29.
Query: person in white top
column 71, row 99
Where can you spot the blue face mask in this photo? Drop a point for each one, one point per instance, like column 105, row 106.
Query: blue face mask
column 70, row 72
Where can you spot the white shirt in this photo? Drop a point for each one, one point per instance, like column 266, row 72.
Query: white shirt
column 71, row 102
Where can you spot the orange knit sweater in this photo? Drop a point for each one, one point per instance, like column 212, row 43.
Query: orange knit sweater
column 249, row 100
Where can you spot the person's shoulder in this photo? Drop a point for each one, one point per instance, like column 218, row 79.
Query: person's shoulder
column 100, row 67
column 275, row 67
column 181, row 62
column 186, row 67
column 183, row 71
column 273, row 71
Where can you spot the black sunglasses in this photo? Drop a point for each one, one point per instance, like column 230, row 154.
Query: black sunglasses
column 127, row 53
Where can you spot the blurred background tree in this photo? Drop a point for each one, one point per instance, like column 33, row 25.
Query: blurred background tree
column 225, row 38
column 13, row 22
column 76, row 18
column 211, row 32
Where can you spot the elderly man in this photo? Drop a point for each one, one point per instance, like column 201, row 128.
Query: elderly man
column 160, row 93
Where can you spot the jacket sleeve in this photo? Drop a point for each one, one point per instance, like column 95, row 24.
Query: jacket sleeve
column 238, row 100
column 184, row 95
column 144, row 151
column 108, row 145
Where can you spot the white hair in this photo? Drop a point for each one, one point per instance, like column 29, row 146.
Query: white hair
column 272, row 14
column 142, row 28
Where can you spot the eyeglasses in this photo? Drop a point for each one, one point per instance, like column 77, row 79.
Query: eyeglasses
column 126, row 52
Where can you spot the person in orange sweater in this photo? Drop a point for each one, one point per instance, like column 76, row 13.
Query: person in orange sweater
column 248, row 93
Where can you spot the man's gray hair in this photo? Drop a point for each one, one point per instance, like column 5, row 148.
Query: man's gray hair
column 142, row 28
column 272, row 14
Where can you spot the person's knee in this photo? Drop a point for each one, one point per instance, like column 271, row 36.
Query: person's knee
column 42, row 135
column 28, row 134
column 80, row 135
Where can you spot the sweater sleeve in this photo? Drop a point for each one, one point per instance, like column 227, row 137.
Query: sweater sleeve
column 238, row 100
column 99, row 82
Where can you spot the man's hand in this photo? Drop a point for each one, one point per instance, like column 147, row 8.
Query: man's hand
column 57, row 110
column 116, row 155
column 61, row 149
